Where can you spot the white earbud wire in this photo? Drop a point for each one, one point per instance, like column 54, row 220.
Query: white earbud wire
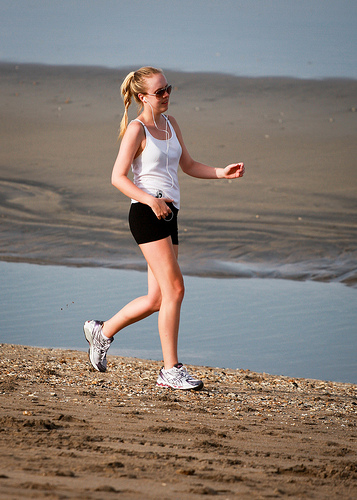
column 167, row 140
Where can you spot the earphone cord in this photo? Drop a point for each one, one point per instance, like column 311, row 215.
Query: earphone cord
column 167, row 141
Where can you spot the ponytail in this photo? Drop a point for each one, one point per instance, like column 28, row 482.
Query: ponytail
column 127, row 96
column 133, row 85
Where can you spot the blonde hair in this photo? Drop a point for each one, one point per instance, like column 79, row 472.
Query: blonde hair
column 133, row 85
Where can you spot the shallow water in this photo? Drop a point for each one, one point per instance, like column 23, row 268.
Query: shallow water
column 282, row 327
column 304, row 39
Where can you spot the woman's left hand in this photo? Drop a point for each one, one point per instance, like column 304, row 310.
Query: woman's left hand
column 234, row 171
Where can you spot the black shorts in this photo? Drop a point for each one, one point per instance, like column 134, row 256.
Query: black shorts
column 146, row 227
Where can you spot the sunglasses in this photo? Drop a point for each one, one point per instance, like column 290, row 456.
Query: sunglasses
column 161, row 92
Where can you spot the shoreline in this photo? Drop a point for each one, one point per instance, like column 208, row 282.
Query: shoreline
column 95, row 435
column 205, row 268
column 127, row 69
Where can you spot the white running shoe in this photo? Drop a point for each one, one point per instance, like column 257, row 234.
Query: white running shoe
column 178, row 378
column 98, row 345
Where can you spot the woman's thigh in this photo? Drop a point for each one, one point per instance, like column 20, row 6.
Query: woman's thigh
column 163, row 269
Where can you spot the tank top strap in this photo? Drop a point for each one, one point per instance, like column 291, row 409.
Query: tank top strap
column 137, row 120
column 167, row 120
column 143, row 124
column 172, row 130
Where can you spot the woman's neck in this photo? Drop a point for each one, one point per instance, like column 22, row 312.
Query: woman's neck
column 151, row 118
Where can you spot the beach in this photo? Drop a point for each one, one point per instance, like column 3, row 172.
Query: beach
column 70, row 432
column 293, row 215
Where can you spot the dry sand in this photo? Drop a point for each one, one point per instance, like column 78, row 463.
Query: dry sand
column 69, row 432
column 293, row 215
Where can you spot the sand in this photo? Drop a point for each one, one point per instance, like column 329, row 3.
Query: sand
column 293, row 215
column 69, row 432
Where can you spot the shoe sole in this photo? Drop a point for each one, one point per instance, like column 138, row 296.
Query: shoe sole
column 196, row 388
column 89, row 338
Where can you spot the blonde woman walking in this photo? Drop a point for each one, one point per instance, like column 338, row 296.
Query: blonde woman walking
column 153, row 147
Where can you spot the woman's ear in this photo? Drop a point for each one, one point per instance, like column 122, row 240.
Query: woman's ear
column 142, row 97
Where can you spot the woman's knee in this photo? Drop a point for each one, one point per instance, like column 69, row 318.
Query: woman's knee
column 173, row 291
column 182, row 291
column 173, row 294
column 179, row 290
column 154, row 302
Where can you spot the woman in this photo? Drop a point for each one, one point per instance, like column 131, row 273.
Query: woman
column 152, row 145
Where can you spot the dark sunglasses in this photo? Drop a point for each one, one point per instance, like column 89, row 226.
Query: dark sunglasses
column 161, row 92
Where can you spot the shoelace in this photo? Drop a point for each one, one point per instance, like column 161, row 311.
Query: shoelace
column 182, row 374
column 101, row 344
column 187, row 375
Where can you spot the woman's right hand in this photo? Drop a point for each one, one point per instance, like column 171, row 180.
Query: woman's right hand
column 160, row 208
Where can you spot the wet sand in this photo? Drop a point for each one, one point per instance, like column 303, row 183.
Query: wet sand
column 69, row 432
column 293, row 215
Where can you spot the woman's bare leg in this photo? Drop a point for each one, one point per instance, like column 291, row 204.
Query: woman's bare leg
column 161, row 257
column 136, row 310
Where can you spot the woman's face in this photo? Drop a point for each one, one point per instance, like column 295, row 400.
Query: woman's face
column 153, row 84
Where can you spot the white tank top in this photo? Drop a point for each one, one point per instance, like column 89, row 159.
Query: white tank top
column 155, row 169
